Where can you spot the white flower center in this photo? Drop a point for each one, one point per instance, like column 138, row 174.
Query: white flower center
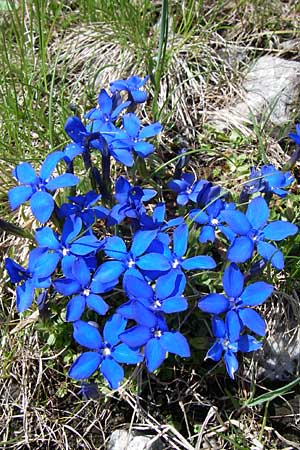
column 106, row 351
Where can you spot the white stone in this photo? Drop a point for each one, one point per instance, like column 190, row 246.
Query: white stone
column 123, row 440
column 270, row 90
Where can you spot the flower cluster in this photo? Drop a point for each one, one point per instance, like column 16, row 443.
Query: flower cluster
column 126, row 259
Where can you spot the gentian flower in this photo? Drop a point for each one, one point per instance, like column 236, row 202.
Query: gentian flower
column 212, row 219
column 70, row 244
column 82, row 283
column 36, row 188
column 89, row 391
column 146, row 302
column 296, row 136
column 41, row 265
column 187, row 188
column 130, row 201
column 228, row 342
column 132, row 85
column 107, row 353
column 83, row 206
column 134, row 136
column 81, row 138
column 106, row 113
column 178, row 260
column 137, row 257
column 237, row 301
column 252, row 230
column 158, row 340
column 268, row 180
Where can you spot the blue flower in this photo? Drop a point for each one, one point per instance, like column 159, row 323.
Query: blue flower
column 107, row 354
column 296, row 136
column 158, row 340
column 237, row 301
column 86, row 288
column 81, row 138
column 106, row 113
column 138, row 257
column 70, row 244
column 130, row 201
column 36, row 188
column 228, row 342
column 212, row 219
column 268, row 180
column 252, row 230
column 178, row 260
column 147, row 302
column 41, row 265
column 83, row 206
column 187, row 188
column 132, row 85
column 134, row 136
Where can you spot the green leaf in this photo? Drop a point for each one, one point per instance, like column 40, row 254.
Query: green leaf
column 269, row 396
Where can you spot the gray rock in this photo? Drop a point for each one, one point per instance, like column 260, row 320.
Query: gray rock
column 123, row 440
column 270, row 89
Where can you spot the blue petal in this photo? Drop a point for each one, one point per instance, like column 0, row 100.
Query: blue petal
column 248, row 343
column 123, row 354
column 159, row 213
column 174, row 304
column 136, row 336
column 75, row 308
column 25, row 174
column 171, row 284
column 252, row 320
column 122, row 188
column 122, row 155
column 258, row 212
column 148, row 194
column 231, row 363
column 98, row 287
column 71, row 229
column 115, row 248
column 25, row 296
column 199, row 262
column 50, row 163
column 233, row 325
column 271, row 253
column 105, row 101
column 175, row 342
column 131, row 124
column 218, row 327
column 180, row 239
column 85, row 365
column 81, row 272
column 75, row 129
column 46, row 237
column 42, row 206
column 97, row 304
column 240, row 250
column 150, row 130
column 141, row 241
column 143, row 149
column 214, row 304
column 139, row 96
column 19, row 195
column 85, row 245
column 87, row 335
column 109, row 271
column 113, row 328
column 16, row 272
column 199, row 216
column 66, row 286
column 44, row 264
column 256, row 293
column 112, row 372
column 71, row 151
column 207, row 233
column 154, row 353
column 138, row 288
column 233, row 281
column 237, row 221
column 278, row 230
column 153, row 261
column 215, row 352
column 65, row 180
